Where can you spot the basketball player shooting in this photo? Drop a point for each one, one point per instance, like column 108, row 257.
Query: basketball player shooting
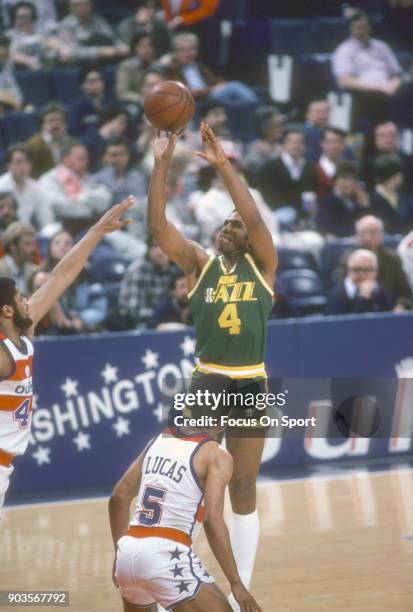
column 18, row 318
column 180, row 479
column 230, row 297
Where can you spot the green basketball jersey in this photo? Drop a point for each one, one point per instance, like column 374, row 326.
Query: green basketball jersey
column 230, row 312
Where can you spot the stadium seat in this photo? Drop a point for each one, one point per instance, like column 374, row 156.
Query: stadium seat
column 19, row 126
column 329, row 33
column 293, row 259
column 291, row 36
column 303, row 289
column 332, row 254
column 234, row 11
column 65, row 84
column 109, row 269
column 240, row 119
column 35, row 85
column 313, row 76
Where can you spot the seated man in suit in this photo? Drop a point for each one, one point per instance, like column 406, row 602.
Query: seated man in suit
column 285, row 179
column 340, row 209
column 360, row 292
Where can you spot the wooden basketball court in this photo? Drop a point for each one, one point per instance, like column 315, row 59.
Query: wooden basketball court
column 329, row 543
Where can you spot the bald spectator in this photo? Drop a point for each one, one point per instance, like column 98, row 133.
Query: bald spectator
column 368, row 68
column 31, row 208
column 45, row 147
column 370, row 235
column 74, row 197
column 316, row 121
column 19, row 246
column 360, row 292
column 87, row 36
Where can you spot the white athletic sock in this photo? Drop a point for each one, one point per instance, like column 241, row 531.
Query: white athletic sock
column 244, row 534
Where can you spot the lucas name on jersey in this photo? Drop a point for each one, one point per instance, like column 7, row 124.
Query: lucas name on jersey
column 229, row 290
column 161, row 466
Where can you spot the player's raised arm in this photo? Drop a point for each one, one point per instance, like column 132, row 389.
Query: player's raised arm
column 185, row 253
column 69, row 267
column 259, row 236
column 219, row 472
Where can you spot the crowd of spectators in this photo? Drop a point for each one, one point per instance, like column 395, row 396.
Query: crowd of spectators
column 317, row 192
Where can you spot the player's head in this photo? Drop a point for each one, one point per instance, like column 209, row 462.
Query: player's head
column 13, row 306
column 233, row 239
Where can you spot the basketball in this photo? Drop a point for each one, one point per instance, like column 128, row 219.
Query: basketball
column 170, row 106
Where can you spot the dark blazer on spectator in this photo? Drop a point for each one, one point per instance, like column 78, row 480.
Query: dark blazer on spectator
column 396, row 220
column 335, row 217
column 339, row 302
column 279, row 189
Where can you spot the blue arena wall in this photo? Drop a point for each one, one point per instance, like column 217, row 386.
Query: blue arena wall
column 99, row 399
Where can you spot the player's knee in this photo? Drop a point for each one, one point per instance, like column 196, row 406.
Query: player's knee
column 243, row 493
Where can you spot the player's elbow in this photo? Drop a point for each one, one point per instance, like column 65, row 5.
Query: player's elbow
column 213, row 519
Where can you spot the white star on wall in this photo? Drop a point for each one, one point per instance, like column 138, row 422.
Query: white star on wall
column 34, row 400
column 82, row 441
column 150, row 359
column 121, row 427
column 41, row 455
column 188, row 346
column 109, row 373
column 69, row 387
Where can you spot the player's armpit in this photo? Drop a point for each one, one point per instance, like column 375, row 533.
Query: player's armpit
column 187, row 254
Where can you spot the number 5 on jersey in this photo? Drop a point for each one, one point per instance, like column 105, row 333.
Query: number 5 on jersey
column 152, row 508
column 229, row 319
column 22, row 414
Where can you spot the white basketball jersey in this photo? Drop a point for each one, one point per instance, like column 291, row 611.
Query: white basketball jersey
column 16, row 394
column 170, row 494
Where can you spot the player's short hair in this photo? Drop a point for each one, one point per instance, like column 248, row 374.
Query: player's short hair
column 7, row 291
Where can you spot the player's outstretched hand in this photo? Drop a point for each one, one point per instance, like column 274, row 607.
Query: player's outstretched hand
column 164, row 146
column 112, row 220
column 244, row 598
column 213, row 152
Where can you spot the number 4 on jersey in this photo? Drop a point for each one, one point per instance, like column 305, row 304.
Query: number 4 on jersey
column 229, row 319
column 22, row 414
